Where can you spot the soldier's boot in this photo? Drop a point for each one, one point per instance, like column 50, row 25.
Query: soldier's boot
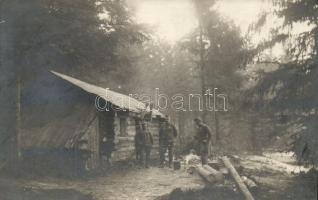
column 170, row 160
column 162, row 157
column 147, row 157
column 170, row 155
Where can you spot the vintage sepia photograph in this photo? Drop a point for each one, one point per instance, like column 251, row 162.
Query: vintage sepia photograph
column 158, row 99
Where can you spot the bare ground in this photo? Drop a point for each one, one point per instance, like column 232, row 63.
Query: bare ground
column 277, row 177
column 122, row 184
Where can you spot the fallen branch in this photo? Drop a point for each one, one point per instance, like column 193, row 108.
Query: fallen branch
column 238, row 180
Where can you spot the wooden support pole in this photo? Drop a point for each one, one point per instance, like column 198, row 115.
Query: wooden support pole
column 237, row 178
column 18, row 118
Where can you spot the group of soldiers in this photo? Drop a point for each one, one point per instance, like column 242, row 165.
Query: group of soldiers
column 167, row 134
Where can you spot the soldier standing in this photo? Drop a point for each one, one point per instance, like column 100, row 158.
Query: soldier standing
column 107, row 148
column 139, row 141
column 147, row 142
column 203, row 137
column 167, row 134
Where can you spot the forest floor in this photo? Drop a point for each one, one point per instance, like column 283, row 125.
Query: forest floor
column 276, row 175
column 118, row 184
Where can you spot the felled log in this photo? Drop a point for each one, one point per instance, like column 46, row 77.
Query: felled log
column 249, row 183
column 216, row 174
column 207, row 175
column 214, row 164
column 225, row 172
column 237, row 179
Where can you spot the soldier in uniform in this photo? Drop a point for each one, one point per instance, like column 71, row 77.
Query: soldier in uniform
column 203, row 137
column 147, row 142
column 107, row 148
column 167, row 134
column 139, row 140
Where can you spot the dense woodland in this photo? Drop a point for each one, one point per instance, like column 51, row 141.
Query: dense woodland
column 267, row 109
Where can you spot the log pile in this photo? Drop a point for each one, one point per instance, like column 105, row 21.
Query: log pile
column 251, row 174
column 216, row 174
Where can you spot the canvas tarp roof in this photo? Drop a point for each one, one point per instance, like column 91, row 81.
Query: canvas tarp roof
column 57, row 113
column 120, row 100
column 59, row 132
column 54, row 113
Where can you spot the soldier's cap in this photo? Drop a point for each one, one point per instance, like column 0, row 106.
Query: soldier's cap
column 197, row 119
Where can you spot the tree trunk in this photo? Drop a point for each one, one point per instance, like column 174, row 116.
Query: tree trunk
column 181, row 125
column 18, row 116
column 202, row 68
column 8, row 92
column 217, row 131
